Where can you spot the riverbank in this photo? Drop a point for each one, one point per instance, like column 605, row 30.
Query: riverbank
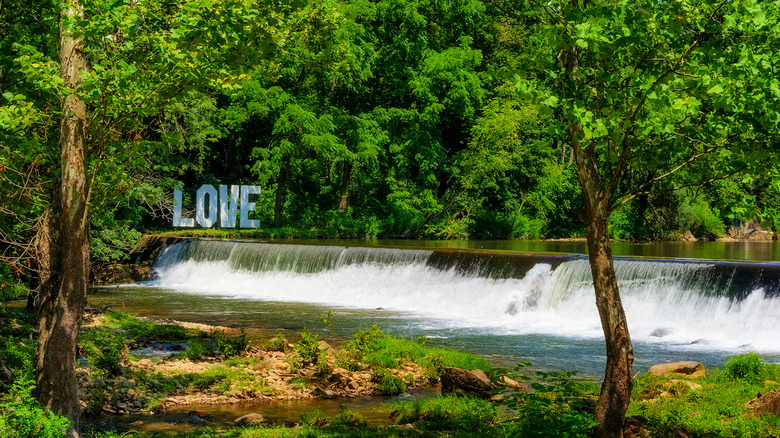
column 151, row 367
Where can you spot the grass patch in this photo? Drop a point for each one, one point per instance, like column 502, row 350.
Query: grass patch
column 716, row 408
column 374, row 347
column 446, row 413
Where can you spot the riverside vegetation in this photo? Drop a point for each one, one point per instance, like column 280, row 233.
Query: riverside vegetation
column 219, row 365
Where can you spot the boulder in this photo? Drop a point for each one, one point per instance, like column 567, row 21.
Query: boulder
column 763, row 404
column 690, row 369
column 253, row 419
column 464, row 382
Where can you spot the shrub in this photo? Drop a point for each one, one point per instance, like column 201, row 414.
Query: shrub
column 306, row 351
column 22, row 417
column 387, row 383
column 747, row 367
column 231, row 347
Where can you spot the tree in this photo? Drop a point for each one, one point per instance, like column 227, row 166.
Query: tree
column 654, row 88
column 115, row 64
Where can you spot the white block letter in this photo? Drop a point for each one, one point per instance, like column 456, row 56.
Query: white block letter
column 179, row 221
column 200, row 208
column 247, row 206
column 228, row 206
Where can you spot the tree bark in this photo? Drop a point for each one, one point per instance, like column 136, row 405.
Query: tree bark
column 281, row 192
column 64, row 295
column 345, row 179
column 615, row 395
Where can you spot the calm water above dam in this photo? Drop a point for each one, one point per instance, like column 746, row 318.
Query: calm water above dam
column 510, row 301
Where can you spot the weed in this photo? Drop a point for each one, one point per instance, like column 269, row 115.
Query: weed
column 328, row 321
column 314, row 418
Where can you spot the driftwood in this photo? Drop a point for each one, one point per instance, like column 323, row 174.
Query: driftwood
column 102, row 309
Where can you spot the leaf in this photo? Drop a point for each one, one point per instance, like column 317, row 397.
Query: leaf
column 717, row 89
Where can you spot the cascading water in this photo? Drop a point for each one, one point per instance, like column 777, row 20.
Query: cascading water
column 686, row 305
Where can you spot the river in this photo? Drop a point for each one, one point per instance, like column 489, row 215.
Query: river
column 510, row 301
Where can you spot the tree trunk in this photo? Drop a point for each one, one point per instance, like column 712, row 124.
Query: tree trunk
column 345, row 179
column 64, row 295
column 615, row 395
column 281, row 192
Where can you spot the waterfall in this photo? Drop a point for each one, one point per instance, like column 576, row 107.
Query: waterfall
column 690, row 304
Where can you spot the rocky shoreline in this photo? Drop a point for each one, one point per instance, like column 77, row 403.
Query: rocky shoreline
column 260, row 373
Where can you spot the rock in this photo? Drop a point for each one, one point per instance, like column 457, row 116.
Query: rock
column 464, row 382
column 253, row 419
column 763, row 404
column 353, row 385
column 679, row 387
column 690, row 369
column 234, row 393
column 509, row 383
column 324, row 346
column 660, row 333
column 200, row 414
column 498, row 398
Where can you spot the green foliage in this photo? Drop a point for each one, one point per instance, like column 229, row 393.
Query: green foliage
column 327, row 319
column 231, row 347
column 314, row 418
column 104, row 348
column 306, row 351
column 197, row 349
column 387, row 382
column 374, row 347
column 22, row 417
column 277, row 343
column 348, row 418
column 11, row 288
column 748, row 367
column 556, row 407
column 446, row 413
column 112, row 245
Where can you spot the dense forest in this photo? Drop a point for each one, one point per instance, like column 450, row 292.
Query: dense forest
column 391, row 118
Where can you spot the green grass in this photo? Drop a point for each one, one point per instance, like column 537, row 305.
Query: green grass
column 374, row 347
column 717, row 409
column 446, row 413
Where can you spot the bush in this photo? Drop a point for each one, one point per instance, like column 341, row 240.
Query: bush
column 555, row 408
column 306, row 351
column 22, row 417
column 231, row 347
column 388, row 383
column 748, row 367
column 197, row 349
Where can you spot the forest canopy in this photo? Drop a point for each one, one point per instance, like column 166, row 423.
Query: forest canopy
column 390, row 118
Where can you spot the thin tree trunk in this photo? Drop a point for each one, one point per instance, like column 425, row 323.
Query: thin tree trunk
column 345, row 179
column 281, row 192
column 615, row 395
column 64, row 295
